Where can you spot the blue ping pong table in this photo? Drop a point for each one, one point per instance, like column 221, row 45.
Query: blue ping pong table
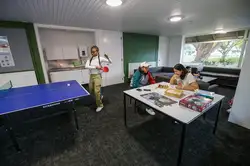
column 38, row 96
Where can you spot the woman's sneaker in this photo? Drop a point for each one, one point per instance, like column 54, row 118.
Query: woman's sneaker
column 150, row 111
column 98, row 109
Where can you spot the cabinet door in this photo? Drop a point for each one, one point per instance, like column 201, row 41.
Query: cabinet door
column 66, row 76
column 70, row 52
column 54, row 53
column 85, row 76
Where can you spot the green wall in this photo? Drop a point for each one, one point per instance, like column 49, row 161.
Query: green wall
column 30, row 32
column 139, row 48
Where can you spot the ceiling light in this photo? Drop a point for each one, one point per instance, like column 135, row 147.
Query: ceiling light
column 221, row 31
column 175, row 18
column 114, row 3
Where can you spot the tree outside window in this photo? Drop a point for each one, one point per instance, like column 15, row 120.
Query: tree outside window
column 216, row 54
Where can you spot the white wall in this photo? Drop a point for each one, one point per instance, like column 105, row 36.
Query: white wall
column 174, row 50
column 19, row 79
column 163, row 51
column 110, row 43
column 240, row 113
column 54, row 37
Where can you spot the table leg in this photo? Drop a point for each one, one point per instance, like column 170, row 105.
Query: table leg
column 204, row 116
column 10, row 132
column 75, row 116
column 125, row 109
column 135, row 107
column 217, row 117
column 183, row 135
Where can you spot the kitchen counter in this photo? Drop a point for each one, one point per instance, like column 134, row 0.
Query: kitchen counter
column 66, row 69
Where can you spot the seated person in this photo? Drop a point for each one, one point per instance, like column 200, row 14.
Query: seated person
column 196, row 73
column 143, row 77
column 183, row 79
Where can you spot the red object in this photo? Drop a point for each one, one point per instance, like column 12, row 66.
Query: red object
column 105, row 69
column 151, row 80
column 231, row 102
column 195, row 102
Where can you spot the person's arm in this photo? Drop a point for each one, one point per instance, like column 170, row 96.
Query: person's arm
column 87, row 66
column 191, row 87
column 192, row 84
column 173, row 80
column 136, row 79
column 106, row 60
column 151, row 80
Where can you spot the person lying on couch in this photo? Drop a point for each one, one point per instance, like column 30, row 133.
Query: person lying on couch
column 143, row 77
column 183, row 79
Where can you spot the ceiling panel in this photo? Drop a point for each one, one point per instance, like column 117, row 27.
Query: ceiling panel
column 140, row 16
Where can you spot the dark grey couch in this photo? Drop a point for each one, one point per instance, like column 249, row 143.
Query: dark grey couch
column 164, row 74
column 225, row 76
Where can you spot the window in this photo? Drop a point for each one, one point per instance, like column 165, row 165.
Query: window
column 223, row 53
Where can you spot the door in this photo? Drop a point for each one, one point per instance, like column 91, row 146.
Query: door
column 163, row 51
column 110, row 43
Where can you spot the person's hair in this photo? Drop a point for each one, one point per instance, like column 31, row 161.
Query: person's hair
column 97, row 49
column 180, row 67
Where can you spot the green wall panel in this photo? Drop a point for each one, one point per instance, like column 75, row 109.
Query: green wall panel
column 139, row 48
column 30, row 32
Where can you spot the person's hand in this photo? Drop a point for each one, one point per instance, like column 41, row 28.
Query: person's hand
column 99, row 67
column 176, row 76
column 179, row 86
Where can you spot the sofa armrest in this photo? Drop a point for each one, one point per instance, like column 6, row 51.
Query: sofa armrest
column 203, row 85
column 213, row 88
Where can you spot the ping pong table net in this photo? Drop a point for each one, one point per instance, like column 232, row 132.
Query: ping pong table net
column 6, row 86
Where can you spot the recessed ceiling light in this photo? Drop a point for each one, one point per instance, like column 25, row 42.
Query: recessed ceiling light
column 114, row 3
column 175, row 18
column 220, row 31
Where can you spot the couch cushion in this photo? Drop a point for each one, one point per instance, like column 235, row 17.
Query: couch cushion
column 155, row 69
column 222, row 70
column 167, row 69
column 163, row 74
column 203, row 85
column 219, row 74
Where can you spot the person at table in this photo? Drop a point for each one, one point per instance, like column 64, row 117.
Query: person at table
column 196, row 74
column 94, row 64
column 143, row 77
column 183, row 79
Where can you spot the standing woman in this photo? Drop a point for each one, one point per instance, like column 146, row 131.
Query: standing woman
column 183, row 79
column 94, row 64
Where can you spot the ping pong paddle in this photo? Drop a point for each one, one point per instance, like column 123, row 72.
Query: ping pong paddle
column 105, row 69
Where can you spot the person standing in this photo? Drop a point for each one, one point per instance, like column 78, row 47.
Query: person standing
column 94, row 64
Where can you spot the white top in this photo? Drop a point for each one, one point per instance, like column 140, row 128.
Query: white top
column 189, row 79
column 94, row 64
column 180, row 113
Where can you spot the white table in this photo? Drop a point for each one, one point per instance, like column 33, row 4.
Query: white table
column 181, row 114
